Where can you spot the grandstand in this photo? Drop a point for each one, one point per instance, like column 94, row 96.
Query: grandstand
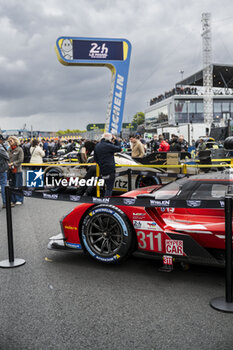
column 183, row 104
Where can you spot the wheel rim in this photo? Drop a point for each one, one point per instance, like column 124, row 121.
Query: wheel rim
column 104, row 234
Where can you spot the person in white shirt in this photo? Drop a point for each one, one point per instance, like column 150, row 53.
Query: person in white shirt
column 37, row 152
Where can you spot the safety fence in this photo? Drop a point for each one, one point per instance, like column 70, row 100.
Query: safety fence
column 221, row 303
column 162, row 170
column 182, row 165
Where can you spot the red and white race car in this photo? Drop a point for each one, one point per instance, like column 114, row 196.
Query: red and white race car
column 193, row 234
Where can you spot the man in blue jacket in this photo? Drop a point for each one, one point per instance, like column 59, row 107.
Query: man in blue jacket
column 104, row 156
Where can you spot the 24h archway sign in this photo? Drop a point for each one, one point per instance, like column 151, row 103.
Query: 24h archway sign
column 101, row 52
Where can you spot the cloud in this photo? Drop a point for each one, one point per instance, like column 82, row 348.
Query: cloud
column 166, row 36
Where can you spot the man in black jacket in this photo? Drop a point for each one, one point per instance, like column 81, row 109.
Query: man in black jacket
column 174, row 144
column 104, row 156
column 154, row 144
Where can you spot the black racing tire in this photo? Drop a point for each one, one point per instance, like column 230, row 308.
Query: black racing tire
column 58, row 173
column 144, row 181
column 107, row 234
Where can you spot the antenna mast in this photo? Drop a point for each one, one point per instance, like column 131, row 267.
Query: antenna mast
column 207, row 69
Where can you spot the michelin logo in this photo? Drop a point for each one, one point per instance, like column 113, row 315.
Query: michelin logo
column 35, row 178
column 117, row 104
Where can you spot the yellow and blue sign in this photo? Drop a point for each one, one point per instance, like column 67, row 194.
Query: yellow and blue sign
column 111, row 53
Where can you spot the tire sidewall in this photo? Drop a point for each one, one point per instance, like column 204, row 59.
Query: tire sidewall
column 127, row 240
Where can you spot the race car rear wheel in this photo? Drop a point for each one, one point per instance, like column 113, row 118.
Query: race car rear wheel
column 144, row 181
column 107, row 234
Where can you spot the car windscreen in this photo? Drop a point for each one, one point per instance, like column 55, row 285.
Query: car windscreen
column 209, row 191
column 170, row 190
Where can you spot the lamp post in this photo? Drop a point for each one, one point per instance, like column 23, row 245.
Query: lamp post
column 181, row 71
column 228, row 124
column 188, row 102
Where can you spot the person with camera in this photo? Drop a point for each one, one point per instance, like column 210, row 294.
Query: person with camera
column 16, row 156
column 104, row 156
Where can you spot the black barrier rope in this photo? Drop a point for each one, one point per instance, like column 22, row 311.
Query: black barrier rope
column 143, row 200
column 11, row 262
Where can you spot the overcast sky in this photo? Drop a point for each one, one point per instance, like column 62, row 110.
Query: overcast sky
column 36, row 90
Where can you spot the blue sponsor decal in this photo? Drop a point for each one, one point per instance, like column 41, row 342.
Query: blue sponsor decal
column 74, row 245
column 35, row 178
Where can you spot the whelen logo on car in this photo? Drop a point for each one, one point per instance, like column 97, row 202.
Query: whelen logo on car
column 159, row 203
column 101, row 200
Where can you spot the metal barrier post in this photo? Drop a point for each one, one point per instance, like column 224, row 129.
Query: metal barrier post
column 129, row 179
column 11, row 262
column 185, row 171
column 97, row 175
column 221, row 303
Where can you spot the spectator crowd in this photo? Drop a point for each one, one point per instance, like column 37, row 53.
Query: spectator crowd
column 14, row 152
column 175, row 91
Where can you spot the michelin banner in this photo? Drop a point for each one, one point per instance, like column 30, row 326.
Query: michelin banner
column 111, row 53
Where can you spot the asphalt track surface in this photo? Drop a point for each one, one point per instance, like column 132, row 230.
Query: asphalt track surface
column 68, row 301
